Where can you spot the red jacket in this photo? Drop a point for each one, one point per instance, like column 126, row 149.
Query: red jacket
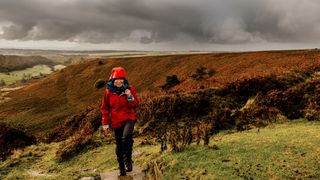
column 117, row 108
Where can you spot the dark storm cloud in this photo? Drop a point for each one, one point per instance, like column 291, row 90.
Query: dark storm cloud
column 147, row 21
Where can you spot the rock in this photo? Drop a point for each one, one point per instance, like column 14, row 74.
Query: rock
column 87, row 178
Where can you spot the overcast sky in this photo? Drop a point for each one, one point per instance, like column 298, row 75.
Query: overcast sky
column 160, row 24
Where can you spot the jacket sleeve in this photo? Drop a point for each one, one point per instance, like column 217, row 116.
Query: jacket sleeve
column 135, row 102
column 105, row 108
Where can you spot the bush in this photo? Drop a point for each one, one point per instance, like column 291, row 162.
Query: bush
column 201, row 73
column 241, row 105
column 171, row 81
column 82, row 121
column 82, row 128
column 12, row 138
column 77, row 144
column 100, row 84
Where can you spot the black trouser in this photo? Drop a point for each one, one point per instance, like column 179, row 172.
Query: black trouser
column 124, row 142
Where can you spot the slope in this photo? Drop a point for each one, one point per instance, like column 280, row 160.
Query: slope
column 48, row 102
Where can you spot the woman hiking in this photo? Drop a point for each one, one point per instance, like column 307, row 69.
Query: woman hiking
column 117, row 108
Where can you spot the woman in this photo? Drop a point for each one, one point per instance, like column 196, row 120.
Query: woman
column 117, row 110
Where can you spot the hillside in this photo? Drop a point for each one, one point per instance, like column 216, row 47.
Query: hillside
column 47, row 103
column 11, row 62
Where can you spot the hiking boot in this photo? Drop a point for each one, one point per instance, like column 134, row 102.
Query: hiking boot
column 122, row 172
column 128, row 154
column 128, row 166
column 122, row 168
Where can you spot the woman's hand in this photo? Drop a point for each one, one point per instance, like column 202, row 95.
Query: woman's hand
column 106, row 132
column 128, row 92
column 129, row 95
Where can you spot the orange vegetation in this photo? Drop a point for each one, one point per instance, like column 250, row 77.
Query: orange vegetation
column 48, row 102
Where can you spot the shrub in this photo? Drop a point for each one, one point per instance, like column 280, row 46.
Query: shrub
column 12, row 138
column 82, row 130
column 82, row 121
column 202, row 73
column 170, row 82
column 100, row 84
column 78, row 143
column 176, row 137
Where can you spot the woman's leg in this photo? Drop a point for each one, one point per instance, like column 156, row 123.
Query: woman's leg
column 118, row 132
column 127, row 139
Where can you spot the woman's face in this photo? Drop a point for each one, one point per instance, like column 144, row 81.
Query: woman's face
column 118, row 82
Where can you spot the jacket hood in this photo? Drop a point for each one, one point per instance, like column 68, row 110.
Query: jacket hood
column 118, row 72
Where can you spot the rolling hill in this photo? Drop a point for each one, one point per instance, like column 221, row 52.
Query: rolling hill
column 11, row 62
column 47, row 103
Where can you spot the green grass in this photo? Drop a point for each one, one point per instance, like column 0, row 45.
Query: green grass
column 15, row 76
column 41, row 158
column 8, row 79
column 282, row 151
column 279, row 151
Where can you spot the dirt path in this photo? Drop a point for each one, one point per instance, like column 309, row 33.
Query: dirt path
column 136, row 174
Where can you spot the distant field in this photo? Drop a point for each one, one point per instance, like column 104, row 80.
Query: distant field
column 35, row 71
column 62, row 57
column 139, row 54
column 14, row 76
column 9, row 63
column 17, row 76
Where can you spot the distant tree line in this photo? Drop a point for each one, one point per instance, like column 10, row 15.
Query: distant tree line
column 10, row 63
